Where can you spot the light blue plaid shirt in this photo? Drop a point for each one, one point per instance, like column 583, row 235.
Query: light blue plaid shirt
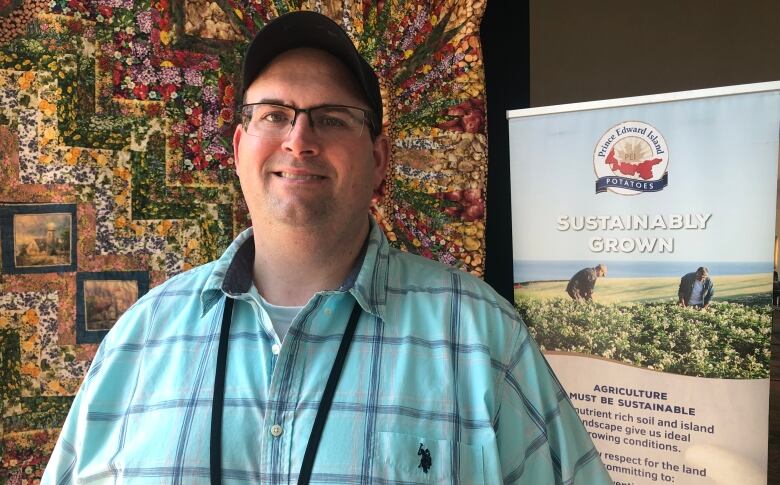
column 438, row 360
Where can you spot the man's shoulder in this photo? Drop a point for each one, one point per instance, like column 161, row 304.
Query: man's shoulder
column 583, row 275
column 430, row 270
column 411, row 273
column 188, row 283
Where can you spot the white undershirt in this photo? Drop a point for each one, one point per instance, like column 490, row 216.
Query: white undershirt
column 281, row 316
column 697, row 293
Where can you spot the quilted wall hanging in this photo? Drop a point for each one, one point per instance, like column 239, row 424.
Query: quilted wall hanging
column 116, row 121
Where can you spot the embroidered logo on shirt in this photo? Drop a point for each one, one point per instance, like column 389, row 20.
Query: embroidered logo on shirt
column 425, row 458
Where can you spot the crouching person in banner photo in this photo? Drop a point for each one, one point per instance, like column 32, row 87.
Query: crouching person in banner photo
column 582, row 284
column 696, row 289
column 311, row 351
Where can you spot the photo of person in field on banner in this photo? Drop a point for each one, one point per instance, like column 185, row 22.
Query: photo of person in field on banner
column 696, row 289
column 581, row 285
column 642, row 322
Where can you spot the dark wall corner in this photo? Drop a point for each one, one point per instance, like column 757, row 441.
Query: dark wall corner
column 506, row 53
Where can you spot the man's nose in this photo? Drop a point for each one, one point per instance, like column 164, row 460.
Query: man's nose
column 302, row 139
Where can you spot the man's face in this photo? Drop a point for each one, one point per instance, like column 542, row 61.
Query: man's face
column 303, row 178
column 701, row 276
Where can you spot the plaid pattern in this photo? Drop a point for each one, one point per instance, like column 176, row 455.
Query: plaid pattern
column 439, row 360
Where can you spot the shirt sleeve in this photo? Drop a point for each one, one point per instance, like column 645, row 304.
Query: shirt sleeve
column 541, row 439
column 710, row 293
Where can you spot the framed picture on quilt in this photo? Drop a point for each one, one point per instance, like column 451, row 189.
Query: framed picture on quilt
column 38, row 238
column 101, row 298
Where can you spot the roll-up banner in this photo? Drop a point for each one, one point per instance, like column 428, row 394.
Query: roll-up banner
column 644, row 250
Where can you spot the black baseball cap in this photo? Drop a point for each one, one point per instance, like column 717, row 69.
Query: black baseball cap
column 312, row 29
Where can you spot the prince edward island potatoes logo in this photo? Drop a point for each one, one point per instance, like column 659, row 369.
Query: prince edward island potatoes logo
column 631, row 158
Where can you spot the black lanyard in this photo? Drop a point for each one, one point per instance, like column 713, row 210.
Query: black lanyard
column 322, row 410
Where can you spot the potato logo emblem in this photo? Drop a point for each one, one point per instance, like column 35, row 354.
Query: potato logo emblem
column 631, row 158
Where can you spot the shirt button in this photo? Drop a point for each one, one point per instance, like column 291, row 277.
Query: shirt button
column 276, row 431
column 275, row 349
column 328, row 312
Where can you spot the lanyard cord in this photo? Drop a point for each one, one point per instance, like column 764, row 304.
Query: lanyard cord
column 327, row 398
column 218, row 401
column 322, row 410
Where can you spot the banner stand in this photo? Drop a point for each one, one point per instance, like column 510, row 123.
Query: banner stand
column 644, row 260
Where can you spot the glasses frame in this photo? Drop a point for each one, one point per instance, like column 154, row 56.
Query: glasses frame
column 368, row 115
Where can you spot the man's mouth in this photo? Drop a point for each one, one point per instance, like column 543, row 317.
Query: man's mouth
column 302, row 177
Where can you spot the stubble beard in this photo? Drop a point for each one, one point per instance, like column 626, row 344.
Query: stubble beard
column 299, row 211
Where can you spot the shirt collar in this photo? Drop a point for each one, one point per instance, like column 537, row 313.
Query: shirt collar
column 212, row 290
column 370, row 287
column 367, row 282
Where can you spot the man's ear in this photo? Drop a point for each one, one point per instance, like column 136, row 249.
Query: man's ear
column 236, row 139
column 381, row 154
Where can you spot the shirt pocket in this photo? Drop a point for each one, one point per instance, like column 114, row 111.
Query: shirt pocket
column 403, row 458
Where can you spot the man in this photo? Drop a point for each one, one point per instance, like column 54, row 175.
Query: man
column 440, row 383
column 583, row 282
column 696, row 289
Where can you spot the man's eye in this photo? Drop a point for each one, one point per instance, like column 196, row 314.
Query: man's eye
column 334, row 118
column 275, row 117
column 332, row 122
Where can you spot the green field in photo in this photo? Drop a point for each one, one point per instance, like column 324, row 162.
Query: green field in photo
column 734, row 288
column 638, row 321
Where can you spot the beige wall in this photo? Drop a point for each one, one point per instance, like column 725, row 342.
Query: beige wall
column 599, row 49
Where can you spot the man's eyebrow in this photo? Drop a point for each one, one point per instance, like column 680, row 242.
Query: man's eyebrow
column 292, row 105
column 270, row 101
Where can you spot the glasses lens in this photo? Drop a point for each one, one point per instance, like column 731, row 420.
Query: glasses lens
column 328, row 122
column 267, row 119
column 337, row 121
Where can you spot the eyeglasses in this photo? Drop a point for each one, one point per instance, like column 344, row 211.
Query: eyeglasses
column 330, row 122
